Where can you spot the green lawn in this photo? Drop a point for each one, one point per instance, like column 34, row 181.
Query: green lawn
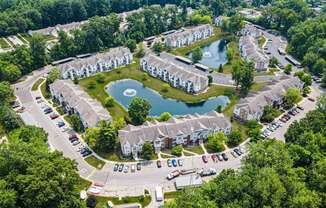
column 83, row 184
column 37, row 84
column 195, row 148
column 26, row 36
column 187, row 154
column 3, row 43
column 143, row 200
column 95, row 162
column 44, row 92
column 171, row 195
column 233, row 46
column 261, row 41
column 133, row 72
column 114, row 156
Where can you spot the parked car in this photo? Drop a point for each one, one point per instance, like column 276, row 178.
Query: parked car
column 88, row 152
column 138, row 166
column 214, row 157
column 311, row 99
column 48, row 110
column 38, row 97
column 116, row 167
column 126, row 169
column 180, row 162
column 91, row 202
column 60, row 124
column 72, row 136
column 54, row 116
column 209, row 172
column 300, row 108
column 132, row 168
column 120, row 167
column 169, row 162
column 204, row 157
column 40, row 101
column 174, row 163
column 173, row 174
column 75, row 142
column 237, row 151
column 219, row 157
column 225, row 157
column 233, row 154
column 159, row 164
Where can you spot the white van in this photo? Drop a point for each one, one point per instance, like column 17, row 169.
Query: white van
column 159, row 193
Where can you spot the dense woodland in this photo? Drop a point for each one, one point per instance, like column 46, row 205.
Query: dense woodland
column 274, row 174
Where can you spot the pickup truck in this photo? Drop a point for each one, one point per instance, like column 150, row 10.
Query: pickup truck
column 173, row 174
column 189, row 171
column 209, row 172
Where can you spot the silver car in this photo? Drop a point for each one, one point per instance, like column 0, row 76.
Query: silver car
column 126, row 168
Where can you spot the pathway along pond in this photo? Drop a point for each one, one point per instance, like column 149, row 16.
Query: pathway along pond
column 214, row 54
column 125, row 90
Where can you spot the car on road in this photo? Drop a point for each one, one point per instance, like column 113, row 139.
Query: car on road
column 54, row 116
column 311, row 99
column 159, row 164
column 138, row 166
column 126, row 169
column 204, row 158
column 120, row 167
column 169, row 162
column 180, row 162
column 133, row 168
column 174, row 163
column 214, row 157
column 116, row 167
column 225, row 157
column 219, row 157
column 60, row 124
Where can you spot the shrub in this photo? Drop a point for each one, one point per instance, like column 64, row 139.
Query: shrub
column 109, row 101
column 177, row 150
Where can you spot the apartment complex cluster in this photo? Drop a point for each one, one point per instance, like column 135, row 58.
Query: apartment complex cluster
column 249, row 49
column 75, row 101
column 188, row 36
column 167, row 68
column 252, row 107
column 184, row 131
column 100, row 62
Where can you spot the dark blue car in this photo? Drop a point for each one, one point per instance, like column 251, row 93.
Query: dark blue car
column 60, row 124
column 174, row 163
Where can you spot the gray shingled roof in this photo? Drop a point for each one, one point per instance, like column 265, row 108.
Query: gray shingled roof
column 255, row 102
column 112, row 54
column 176, row 70
column 90, row 110
column 174, row 126
column 188, row 32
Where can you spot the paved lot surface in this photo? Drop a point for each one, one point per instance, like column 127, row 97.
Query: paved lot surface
column 307, row 105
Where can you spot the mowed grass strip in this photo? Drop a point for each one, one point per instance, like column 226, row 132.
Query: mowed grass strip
column 37, row 84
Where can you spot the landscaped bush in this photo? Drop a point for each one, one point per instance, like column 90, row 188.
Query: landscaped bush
column 269, row 114
column 215, row 142
column 109, row 101
column 234, row 138
column 177, row 150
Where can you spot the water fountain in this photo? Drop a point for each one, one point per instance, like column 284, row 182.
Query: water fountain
column 130, row 92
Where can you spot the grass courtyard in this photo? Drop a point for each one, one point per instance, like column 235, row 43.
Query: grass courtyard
column 133, row 72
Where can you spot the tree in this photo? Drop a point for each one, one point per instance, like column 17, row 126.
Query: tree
column 147, row 151
column 165, row 116
column 76, row 123
column 216, row 141
column 273, row 62
column 197, row 54
column 177, row 150
column 219, row 108
column 107, row 136
column 247, row 78
column 109, row 102
column 234, row 138
column 6, row 93
column 8, row 118
column 140, row 52
column 53, row 75
column 91, row 136
column 131, row 44
column 138, row 110
column 269, row 114
column 210, row 79
column 292, row 97
column 236, row 73
column 157, row 47
column 288, row 69
column 220, row 69
column 38, row 54
column 9, row 72
column 255, row 134
column 165, row 87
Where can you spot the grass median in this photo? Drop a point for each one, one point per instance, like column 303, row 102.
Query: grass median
column 37, row 84
column 95, row 162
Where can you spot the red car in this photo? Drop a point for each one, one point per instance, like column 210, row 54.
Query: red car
column 73, row 136
column 214, row 158
column 54, row 116
column 205, row 160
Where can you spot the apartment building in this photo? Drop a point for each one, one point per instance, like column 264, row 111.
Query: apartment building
column 186, row 130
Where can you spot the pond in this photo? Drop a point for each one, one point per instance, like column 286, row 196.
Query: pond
column 124, row 91
column 214, row 54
